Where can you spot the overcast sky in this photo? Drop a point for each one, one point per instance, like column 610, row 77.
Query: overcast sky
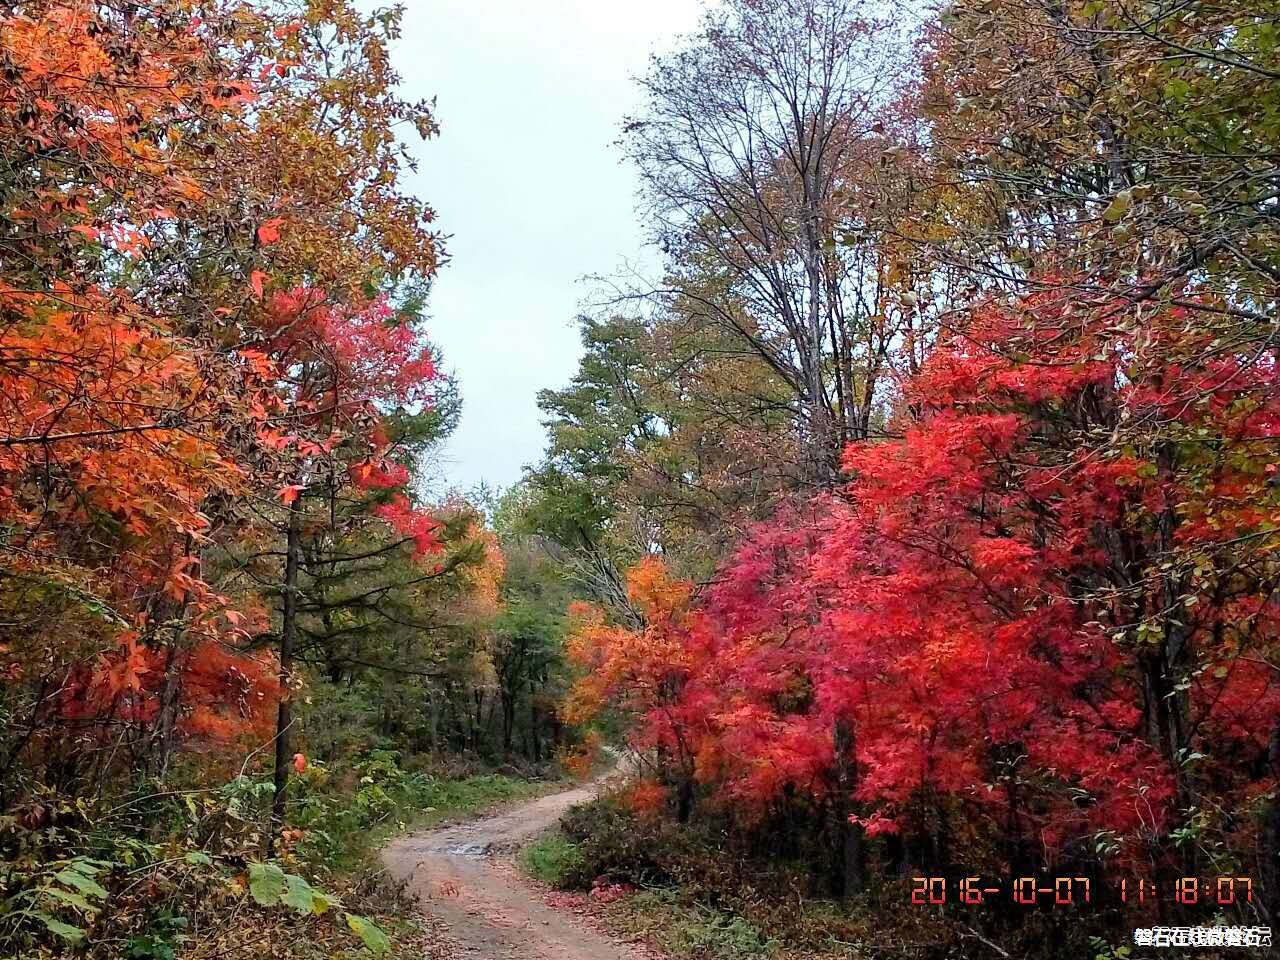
column 526, row 179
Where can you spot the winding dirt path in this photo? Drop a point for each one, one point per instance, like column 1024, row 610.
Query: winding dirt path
column 462, row 875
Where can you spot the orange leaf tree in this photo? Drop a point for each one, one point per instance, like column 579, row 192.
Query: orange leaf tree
column 167, row 176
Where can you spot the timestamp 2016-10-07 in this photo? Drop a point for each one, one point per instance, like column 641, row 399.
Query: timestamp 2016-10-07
column 1067, row 891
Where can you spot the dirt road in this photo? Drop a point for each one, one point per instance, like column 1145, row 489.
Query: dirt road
column 463, row 876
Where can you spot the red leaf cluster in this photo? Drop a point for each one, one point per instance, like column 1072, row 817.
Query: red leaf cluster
column 986, row 604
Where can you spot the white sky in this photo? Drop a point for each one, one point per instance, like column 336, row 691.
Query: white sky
column 526, row 179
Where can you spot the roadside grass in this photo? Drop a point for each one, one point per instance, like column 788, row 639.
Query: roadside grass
column 476, row 794
column 551, row 857
column 686, row 929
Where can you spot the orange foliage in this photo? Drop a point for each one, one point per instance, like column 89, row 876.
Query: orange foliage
column 579, row 760
column 484, row 579
column 638, row 670
column 646, row 798
column 136, row 407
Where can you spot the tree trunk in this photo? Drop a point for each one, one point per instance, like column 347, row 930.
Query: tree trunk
column 163, row 739
column 288, row 634
column 434, row 724
column 684, row 798
column 508, row 720
column 818, row 420
column 1172, row 664
column 535, row 748
column 847, row 869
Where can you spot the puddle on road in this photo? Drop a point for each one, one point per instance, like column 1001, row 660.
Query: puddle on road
column 472, row 850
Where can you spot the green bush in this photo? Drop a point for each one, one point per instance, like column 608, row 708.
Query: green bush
column 622, row 847
column 551, row 858
column 614, row 844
